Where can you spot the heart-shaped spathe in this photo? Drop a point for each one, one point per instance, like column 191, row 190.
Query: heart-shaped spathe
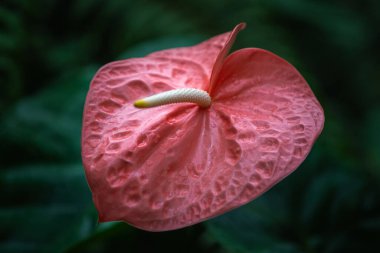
column 171, row 166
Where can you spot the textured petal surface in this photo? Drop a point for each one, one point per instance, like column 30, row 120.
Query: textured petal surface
column 168, row 167
column 140, row 163
column 273, row 115
column 202, row 56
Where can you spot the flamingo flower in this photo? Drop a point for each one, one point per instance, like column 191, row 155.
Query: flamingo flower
column 186, row 134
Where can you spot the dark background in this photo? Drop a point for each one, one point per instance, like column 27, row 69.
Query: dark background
column 49, row 50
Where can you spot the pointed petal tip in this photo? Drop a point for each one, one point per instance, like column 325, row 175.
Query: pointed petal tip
column 223, row 53
column 240, row 26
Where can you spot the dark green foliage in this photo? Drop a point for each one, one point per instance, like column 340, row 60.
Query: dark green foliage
column 49, row 50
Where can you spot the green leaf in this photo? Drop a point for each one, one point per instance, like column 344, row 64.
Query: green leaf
column 47, row 127
column 44, row 208
column 323, row 213
column 145, row 48
column 255, row 227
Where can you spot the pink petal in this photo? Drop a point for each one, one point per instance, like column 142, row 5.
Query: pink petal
column 205, row 56
column 222, row 54
column 272, row 115
column 167, row 174
column 159, row 168
column 138, row 162
column 172, row 166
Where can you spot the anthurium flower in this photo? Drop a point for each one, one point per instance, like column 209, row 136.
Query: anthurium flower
column 186, row 134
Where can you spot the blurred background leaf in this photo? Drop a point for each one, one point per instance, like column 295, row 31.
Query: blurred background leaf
column 49, row 51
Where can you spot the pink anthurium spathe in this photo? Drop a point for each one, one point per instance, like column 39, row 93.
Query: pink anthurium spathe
column 218, row 131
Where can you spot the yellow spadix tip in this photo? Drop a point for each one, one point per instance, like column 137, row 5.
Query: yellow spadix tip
column 140, row 103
